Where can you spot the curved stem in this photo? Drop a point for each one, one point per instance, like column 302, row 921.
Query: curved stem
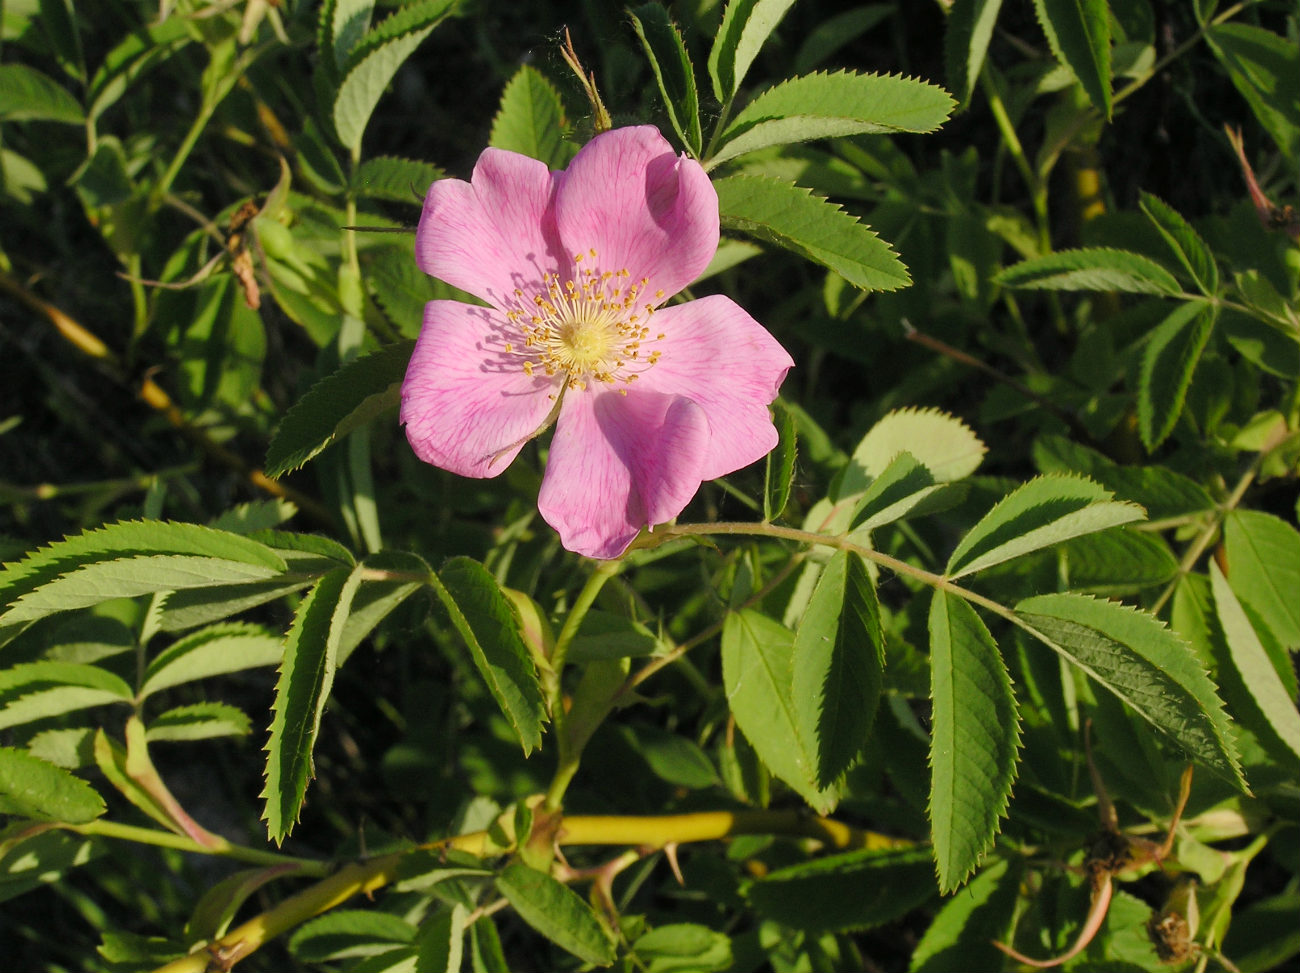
column 169, row 839
column 364, row 878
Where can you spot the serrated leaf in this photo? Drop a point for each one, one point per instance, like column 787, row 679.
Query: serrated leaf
column 345, row 933
column 965, row 42
column 1258, row 674
column 140, row 51
column 124, row 539
column 673, row 71
column 962, row 934
column 202, row 606
column 28, row 95
column 333, row 407
column 812, row 227
column 746, row 25
column 531, row 120
column 127, row 577
column 1146, row 665
column 1117, row 562
column 1163, row 492
column 1168, row 361
column 343, row 23
column 1185, row 242
column 1264, row 570
column 943, row 444
column 378, row 596
column 854, row 890
column 1079, row 34
column 904, row 485
column 756, row 672
column 43, row 792
column 837, row 666
column 306, row 677
column 555, row 911
column 1265, row 69
column 373, row 62
column 487, row 623
column 683, row 947
column 1042, row 512
column 397, row 180
column 38, row 690
column 1091, row 269
column 199, row 721
column 441, row 941
column 779, row 465
column 974, row 738
column 210, row 652
column 824, row 105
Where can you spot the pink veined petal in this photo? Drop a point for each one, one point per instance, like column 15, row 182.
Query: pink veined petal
column 495, row 233
column 641, row 207
column 619, row 463
column 467, row 406
column 719, row 357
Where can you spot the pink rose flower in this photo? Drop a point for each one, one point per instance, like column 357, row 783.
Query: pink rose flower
column 649, row 401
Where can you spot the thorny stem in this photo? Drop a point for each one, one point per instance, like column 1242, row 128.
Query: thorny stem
column 367, row 877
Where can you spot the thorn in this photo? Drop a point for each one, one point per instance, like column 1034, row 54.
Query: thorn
column 670, row 852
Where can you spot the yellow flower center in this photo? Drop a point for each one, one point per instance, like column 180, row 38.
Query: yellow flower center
column 592, row 329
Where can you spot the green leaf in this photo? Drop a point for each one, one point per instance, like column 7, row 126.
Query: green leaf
column 834, row 32
column 1168, row 361
column 28, row 95
column 746, row 25
column 824, row 105
column 779, row 468
column 1079, row 34
column 757, row 653
column 379, row 596
column 812, row 227
column 306, row 677
column 37, row 856
column 38, row 690
column 218, row 905
column 673, row 71
column 1091, row 269
column 202, row 606
column 683, row 947
column 127, row 577
column 962, row 934
column 346, row 400
column 344, row 933
column 837, row 666
column 375, row 59
column 903, row 486
column 210, row 652
column 199, row 721
column 531, row 119
column 342, row 25
column 41, row 791
column 441, row 941
column 70, row 748
column 127, row 539
column 1264, row 688
column 397, row 180
column 943, row 444
column 1146, row 665
column 966, row 41
column 974, row 738
column 557, row 912
column 1264, row 569
column 1265, row 68
column 1185, row 242
column 1117, row 562
column 1160, row 490
column 487, row 623
column 855, row 890
column 141, row 50
column 1042, row 512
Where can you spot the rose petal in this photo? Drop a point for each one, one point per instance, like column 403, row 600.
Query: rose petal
column 641, row 207
column 466, row 404
column 719, row 357
column 619, row 463
column 494, row 234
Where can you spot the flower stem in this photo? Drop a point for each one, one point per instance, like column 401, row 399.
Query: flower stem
column 168, row 839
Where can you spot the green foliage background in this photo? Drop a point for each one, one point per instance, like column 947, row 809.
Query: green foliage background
column 928, row 678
